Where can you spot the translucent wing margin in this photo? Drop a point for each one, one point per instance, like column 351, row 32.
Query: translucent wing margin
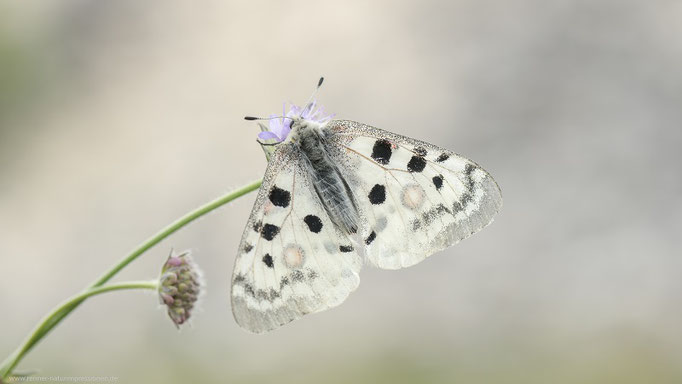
column 417, row 198
column 291, row 260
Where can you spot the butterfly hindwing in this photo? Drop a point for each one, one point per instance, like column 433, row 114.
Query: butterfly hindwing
column 291, row 260
column 417, row 198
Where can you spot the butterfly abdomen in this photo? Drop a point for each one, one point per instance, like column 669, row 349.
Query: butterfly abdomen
column 330, row 186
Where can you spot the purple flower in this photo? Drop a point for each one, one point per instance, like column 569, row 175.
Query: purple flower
column 279, row 128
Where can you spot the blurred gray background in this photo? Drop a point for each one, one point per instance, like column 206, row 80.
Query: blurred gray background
column 117, row 117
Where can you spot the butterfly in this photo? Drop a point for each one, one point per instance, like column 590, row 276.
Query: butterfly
column 338, row 194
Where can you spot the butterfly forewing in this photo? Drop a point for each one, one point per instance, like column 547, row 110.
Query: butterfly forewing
column 291, row 260
column 417, row 198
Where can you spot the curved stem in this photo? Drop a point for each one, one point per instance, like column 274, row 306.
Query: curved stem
column 58, row 315
column 79, row 298
column 173, row 227
column 152, row 241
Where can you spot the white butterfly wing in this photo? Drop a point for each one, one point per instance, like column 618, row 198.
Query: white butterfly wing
column 417, row 198
column 291, row 260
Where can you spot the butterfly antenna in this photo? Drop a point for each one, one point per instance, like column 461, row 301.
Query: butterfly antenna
column 251, row 118
column 308, row 104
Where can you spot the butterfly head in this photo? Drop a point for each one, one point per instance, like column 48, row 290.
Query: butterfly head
column 285, row 127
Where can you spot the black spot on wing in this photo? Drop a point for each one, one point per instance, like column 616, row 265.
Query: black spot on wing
column 381, row 152
column 467, row 197
column 377, row 195
column 269, row 295
column 257, row 226
column 468, row 170
column 370, row 238
column 442, row 157
column 269, row 231
column 267, row 260
column 462, row 203
column 249, row 289
column 247, row 248
column 416, row 164
column 420, row 151
column 279, row 197
column 433, row 214
column 314, row 223
column 438, row 182
column 261, row 295
column 239, row 279
column 346, row 248
column 297, row 275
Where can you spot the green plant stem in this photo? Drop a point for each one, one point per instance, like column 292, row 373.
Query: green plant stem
column 65, row 309
column 19, row 353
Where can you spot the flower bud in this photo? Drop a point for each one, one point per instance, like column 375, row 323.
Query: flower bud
column 179, row 286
